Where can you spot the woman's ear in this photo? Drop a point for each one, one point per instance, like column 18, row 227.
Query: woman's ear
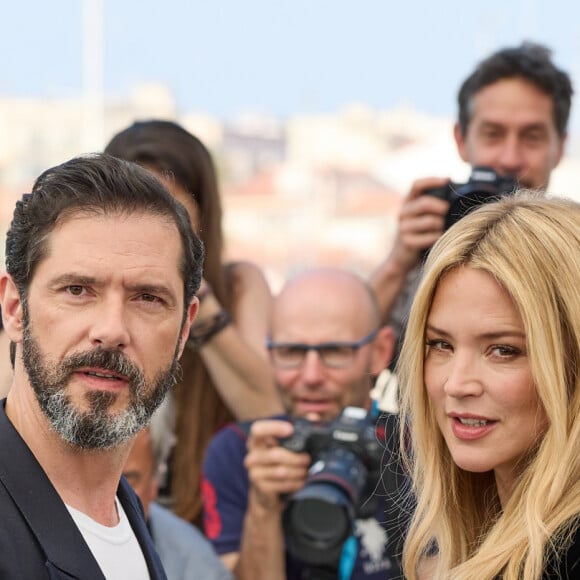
column 383, row 348
column 12, row 313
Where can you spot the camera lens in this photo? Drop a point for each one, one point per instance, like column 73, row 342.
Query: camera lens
column 318, row 520
column 322, row 519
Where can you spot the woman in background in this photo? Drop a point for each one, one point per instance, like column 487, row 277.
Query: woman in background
column 226, row 374
column 490, row 379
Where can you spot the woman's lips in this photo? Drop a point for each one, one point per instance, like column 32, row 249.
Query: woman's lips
column 468, row 427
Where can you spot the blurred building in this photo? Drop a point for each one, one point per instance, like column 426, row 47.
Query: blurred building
column 313, row 189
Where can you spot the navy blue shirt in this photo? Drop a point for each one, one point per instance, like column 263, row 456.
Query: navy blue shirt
column 225, row 496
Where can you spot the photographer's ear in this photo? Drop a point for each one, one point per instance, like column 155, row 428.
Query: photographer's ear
column 383, row 347
column 461, row 142
column 12, row 313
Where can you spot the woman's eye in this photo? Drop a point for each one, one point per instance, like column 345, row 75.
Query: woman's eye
column 505, row 351
column 437, row 344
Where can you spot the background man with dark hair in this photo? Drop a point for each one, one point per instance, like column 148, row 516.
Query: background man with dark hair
column 98, row 297
column 513, row 117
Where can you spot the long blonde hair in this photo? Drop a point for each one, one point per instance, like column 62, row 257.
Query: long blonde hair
column 531, row 246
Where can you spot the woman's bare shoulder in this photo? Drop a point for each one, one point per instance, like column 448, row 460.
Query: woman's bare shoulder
column 245, row 270
column 247, row 278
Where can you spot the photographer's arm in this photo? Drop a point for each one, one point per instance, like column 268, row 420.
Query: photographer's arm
column 421, row 222
column 273, row 471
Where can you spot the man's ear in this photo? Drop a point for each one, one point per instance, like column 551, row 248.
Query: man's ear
column 383, row 348
column 190, row 317
column 460, row 141
column 12, row 312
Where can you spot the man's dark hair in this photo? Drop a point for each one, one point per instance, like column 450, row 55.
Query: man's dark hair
column 530, row 62
column 96, row 184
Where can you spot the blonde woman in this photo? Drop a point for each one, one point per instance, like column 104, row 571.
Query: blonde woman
column 490, row 375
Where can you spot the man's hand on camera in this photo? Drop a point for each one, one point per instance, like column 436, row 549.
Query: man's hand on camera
column 273, row 470
column 421, row 223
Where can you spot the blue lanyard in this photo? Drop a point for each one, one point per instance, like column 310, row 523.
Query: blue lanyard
column 348, row 558
column 350, row 547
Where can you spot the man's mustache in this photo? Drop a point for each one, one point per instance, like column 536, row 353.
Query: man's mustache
column 106, row 359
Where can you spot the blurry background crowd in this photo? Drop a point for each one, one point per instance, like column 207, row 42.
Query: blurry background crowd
column 319, row 114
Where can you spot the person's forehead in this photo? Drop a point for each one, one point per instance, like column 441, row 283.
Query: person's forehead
column 321, row 315
column 512, row 99
column 81, row 220
column 128, row 245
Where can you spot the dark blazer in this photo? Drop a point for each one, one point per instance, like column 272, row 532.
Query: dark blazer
column 38, row 537
column 567, row 565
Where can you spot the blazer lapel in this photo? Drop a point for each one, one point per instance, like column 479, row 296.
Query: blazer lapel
column 136, row 518
column 41, row 506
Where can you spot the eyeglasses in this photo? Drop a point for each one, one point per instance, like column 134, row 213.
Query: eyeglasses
column 335, row 355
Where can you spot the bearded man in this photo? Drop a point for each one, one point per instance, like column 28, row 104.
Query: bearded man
column 97, row 299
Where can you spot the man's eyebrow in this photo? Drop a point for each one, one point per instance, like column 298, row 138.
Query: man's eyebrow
column 492, row 125
column 72, row 279
column 533, row 126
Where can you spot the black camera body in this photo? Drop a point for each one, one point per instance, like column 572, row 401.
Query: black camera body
column 346, row 466
column 484, row 185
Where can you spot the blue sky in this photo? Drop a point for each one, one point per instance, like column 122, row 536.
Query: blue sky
column 283, row 57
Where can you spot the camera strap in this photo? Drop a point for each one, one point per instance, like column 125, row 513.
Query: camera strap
column 348, row 558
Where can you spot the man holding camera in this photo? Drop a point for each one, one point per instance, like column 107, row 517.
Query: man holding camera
column 513, row 116
column 326, row 345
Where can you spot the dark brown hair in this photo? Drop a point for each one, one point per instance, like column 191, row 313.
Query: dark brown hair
column 531, row 62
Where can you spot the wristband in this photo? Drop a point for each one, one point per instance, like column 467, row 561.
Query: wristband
column 203, row 332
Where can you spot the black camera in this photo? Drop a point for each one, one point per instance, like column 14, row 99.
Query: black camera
column 346, row 466
column 484, row 185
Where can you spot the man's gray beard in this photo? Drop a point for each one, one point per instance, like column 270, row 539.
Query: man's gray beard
column 95, row 429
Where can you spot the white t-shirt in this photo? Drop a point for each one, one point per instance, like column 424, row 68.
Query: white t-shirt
column 116, row 548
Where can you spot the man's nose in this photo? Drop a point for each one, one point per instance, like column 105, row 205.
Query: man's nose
column 312, row 368
column 109, row 327
column 511, row 158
